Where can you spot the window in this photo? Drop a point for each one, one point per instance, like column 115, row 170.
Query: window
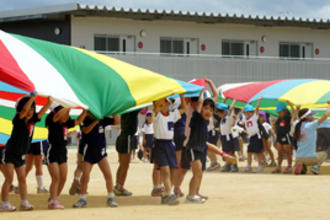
column 296, row 50
column 239, row 48
column 170, row 45
column 114, row 43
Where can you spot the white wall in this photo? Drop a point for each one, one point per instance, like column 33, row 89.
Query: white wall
column 84, row 28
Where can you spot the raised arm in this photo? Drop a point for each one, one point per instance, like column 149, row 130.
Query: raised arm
column 156, row 108
column 213, row 89
column 61, row 113
column 258, row 105
column 81, row 117
column 294, row 112
column 200, row 102
column 90, row 127
column 183, row 108
column 27, row 107
column 45, row 108
column 116, row 119
column 231, row 108
column 326, row 114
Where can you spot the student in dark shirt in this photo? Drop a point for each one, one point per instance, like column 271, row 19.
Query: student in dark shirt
column 58, row 123
column 16, row 148
column 129, row 125
column 95, row 152
column 197, row 143
column 283, row 138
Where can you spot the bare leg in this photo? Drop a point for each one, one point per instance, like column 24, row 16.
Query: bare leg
column 124, row 160
column 86, row 168
column 105, row 168
column 63, row 168
column 196, row 179
column 288, row 152
column 29, row 163
column 54, row 172
column 9, row 177
column 21, row 177
column 165, row 175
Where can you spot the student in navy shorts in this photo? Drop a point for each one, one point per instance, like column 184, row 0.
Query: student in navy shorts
column 164, row 151
column 129, row 125
column 148, row 136
column 95, row 152
column 255, row 143
column 34, row 156
column 58, row 123
column 227, row 122
column 16, row 148
column 179, row 136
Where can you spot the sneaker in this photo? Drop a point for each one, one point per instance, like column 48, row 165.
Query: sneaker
column 55, row 205
column 259, row 169
column 195, row 199
column 203, row 197
column 26, row 206
column 315, row 170
column 178, row 192
column 298, row 169
column 213, row 166
column 121, row 191
column 170, row 200
column 248, row 169
column 112, row 202
column 272, row 164
column 7, row 207
column 288, row 170
column 74, row 187
column 82, row 203
column 226, row 168
column 42, row 190
column 277, row 170
column 234, row 168
column 156, row 192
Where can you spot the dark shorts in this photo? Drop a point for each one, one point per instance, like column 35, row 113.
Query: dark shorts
column 94, row 155
column 187, row 156
column 37, row 148
column 256, row 144
column 123, row 144
column 149, row 141
column 178, row 141
column 56, row 154
column 284, row 140
column 17, row 160
column 164, row 154
column 237, row 146
column 213, row 137
column 134, row 142
column 2, row 155
column 228, row 146
column 81, row 148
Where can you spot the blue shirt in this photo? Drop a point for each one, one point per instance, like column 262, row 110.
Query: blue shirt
column 307, row 142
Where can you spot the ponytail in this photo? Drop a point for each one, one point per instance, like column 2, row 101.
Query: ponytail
column 297, row 131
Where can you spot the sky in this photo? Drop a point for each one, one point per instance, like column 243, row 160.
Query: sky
column 290, row 8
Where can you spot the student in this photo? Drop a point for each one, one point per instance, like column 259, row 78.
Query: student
column 305, row 134
column 58, row 123
column 213, row 138
column 267, row 137
column 129, row 125
column 148, row 136
column 164, row 151
column 226, row 123
column 16, row 148
column 197, row 144
column 283, row 138
column 255, row 143
column 75, row 186
column 34, row 156
column 135, row 143
column 95, row 152
column 179, row 136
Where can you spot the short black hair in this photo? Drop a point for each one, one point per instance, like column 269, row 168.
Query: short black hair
column 209, row 102
column 194, row 99
column 21, row 103
column 58, row 108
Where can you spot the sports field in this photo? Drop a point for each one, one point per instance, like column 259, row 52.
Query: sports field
column 231, row 196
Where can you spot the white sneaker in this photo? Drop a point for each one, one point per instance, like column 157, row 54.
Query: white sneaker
column 7, row 207
column 195, row 199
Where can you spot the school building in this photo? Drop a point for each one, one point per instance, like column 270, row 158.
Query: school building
column 186, row 45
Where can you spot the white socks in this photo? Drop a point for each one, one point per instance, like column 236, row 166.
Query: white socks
column 83, row 196
column 40, row 182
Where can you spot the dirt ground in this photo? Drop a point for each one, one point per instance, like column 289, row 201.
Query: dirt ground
column 231, row 196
